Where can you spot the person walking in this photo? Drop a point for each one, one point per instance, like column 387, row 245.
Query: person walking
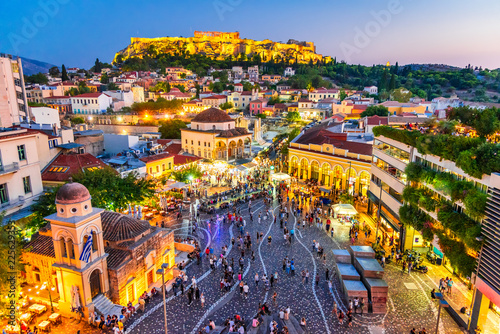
column 275, row 296
column 450, row 285
column 327, row 274
column 202, row 299
column 256, row 279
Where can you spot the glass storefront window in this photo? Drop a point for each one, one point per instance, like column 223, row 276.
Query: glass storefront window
column 392, row 151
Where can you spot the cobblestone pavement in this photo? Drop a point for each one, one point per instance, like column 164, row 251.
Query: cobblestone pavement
column 409, row 305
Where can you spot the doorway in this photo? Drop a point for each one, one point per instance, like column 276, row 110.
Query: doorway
column 95, row 283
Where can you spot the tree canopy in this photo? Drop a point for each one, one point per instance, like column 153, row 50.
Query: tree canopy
column 108, row 190
column 293, row 116
column 171, row 129
column 161, row 105
column 375, row 110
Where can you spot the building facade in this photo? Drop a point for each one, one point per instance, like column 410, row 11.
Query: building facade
column 328, row 157
column 20, row 178
column 13, row 100
column 124, row 256
column 91, row 103
column 214, row 135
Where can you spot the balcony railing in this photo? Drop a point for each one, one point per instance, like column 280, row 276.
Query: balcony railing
column 10, row 168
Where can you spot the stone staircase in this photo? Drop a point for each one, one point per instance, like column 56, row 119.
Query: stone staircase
column 104, row 306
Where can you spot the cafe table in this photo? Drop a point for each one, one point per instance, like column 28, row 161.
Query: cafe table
column 37, row 308
column 44, row 326
column 55, row 318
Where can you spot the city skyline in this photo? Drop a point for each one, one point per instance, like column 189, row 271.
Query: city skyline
column 370, row 33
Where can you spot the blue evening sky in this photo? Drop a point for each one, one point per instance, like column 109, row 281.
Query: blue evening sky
column 408, row 31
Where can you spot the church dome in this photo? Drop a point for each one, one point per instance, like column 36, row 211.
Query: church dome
column 72, row 193
column 212, row 115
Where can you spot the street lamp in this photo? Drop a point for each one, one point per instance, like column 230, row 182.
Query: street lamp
column 481, row 240
column 161, row 271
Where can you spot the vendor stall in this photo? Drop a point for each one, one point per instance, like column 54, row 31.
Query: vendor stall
column 344, row 210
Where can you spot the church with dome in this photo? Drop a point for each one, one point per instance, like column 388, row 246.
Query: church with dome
column 124, row 254
column 214, row 135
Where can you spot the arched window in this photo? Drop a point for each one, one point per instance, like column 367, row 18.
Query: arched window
column 71, row 249
column 62, row 245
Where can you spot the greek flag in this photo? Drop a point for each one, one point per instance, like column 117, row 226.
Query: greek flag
column 87, row 250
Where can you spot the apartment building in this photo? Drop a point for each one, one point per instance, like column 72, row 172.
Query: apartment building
column 20, row 178
column 388, row 182
column 13, row 100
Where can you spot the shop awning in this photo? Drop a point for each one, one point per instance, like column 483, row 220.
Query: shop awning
column 344, row 209
column 280, row 176
column 325, row 190
column 175, row 185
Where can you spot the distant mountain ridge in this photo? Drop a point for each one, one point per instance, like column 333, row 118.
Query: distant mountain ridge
column 32, row 66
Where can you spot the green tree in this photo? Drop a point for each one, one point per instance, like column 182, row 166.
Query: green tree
column 77, row 120
column 82, row 88
column 379, row 110
column 392, row 83
column 38, row 78
column 487, row 122
column 401, row 95
column 226, row 105
column 171, row 129
column 97, row 66
column 54, row 71
column 72, row 92
column 64, row 74
column 263, row 116
column 112, row 86
column 104, row 78
column 342, row 95
column 186, row 175
column 293, row 116
column 110, row 191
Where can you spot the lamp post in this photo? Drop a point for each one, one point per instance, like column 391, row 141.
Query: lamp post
column 481, row 240
column 442, row 303
column 378, row 211
column 161, row 272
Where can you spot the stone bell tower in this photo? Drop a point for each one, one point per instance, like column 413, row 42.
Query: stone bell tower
column 73, row 223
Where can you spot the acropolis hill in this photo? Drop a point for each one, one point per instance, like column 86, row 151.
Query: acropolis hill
column 221, row 45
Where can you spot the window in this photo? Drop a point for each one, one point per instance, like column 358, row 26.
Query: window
column 150, row 170
column 157, row 169
column 4, row 196
column 208, row 144
column 71, row 249
column 199, row 143
column 186, row 141
column 62, row 245
column 169, row 165
column 27, row 184
column 163, row 167
column 21, row 152
column 197, row 127
column 52, row 143
column 192, row 142
column 205, row 143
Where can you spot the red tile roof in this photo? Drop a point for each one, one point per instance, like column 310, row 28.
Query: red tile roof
column 66, row 165
column 173, row 148
column 212, row 115
column 377, row 120
column 184, row 159
column 91, row 95
column 320, row 135
column 155, row 157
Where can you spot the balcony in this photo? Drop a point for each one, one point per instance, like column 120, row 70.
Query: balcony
column 10, row 168
column 12, row 204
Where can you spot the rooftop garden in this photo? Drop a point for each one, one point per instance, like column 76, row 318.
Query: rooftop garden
column 456, row 229
column 469, row 138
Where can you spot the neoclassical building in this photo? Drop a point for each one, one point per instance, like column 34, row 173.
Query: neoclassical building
column 332, row 159
column 214, row 135
column 125, row 254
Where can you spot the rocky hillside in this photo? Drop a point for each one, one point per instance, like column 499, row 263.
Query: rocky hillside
column 222, row 47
